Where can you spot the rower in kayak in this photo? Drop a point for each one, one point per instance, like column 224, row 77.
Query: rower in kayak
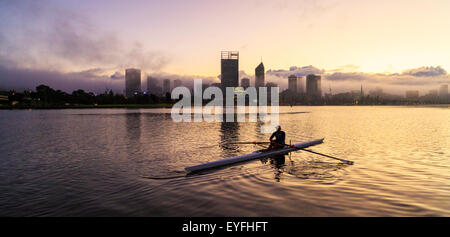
column 280, row 139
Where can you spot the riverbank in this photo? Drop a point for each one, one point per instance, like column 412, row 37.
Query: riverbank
column 167, row 105
column 106, row 106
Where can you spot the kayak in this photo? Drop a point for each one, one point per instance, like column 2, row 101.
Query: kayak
column 255, row 155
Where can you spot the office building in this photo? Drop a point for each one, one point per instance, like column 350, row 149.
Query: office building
column 443, row 93
column 300, row 84
column 313, row 86
column 259, row 75
column 269, row 85
column 229, row 67
column 132, row 82
column 152, row 85
column 292, row 84
column 166, row 86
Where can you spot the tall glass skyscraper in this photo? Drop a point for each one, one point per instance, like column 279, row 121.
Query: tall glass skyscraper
column 229, row 66
column 132, row 81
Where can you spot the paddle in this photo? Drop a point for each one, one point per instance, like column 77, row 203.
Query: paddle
column 317, row 153
column 250, row 143
column 345, row 161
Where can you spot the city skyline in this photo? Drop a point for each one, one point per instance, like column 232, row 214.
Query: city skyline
column 224, row 117
column 314, row 92
column 91, row 50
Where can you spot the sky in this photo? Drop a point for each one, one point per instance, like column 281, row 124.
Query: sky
column 88, row 44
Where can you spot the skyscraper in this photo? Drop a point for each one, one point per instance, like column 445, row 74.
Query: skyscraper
column 152, row 84
column 292, row 84
column 259, row 76
column 269, row 86
column 132, row 81
column 166, row 86
column 229, row 66
column 245, row 82
column 313, row 86
column 300, row 84
column 443, row 93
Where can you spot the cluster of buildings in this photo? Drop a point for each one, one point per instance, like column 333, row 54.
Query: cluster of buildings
column 300, row 89
column 377, row 96
column 133, row 84
column 296, row 84
column 229, row 65
column 433, row 96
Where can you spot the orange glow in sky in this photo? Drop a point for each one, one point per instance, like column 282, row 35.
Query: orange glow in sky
column 186, row 37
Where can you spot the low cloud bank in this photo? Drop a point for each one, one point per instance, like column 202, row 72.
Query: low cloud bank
column 99, row 80
column 422, row 79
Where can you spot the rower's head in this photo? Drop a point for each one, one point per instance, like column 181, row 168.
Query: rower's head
column 278, row 127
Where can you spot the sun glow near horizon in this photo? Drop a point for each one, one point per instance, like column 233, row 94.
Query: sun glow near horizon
column 185, row 38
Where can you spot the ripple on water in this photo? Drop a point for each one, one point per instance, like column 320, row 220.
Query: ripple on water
column 117, row 162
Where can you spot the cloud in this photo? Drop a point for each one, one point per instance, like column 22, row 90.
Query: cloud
column 46, row 36
column 345, row 68
column 426, row 72
column 98, row 79
column 187, row 80
column 42, row 43
column 408, row 77
column 117, row 76
column 279, row 76
column 93, row 80
column 138, row 57
column 413, row 79
column 76, row 40
column 294, row 70
column 347, row 76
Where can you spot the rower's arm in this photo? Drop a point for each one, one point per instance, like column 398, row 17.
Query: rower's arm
column 271, row 137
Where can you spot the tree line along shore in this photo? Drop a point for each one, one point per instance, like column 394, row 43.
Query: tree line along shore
column 45, row 97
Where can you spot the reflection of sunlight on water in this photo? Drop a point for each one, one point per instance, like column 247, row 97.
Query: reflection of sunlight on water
column 131, row 162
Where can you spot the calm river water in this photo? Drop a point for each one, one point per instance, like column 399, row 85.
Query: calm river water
column 130, row 162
